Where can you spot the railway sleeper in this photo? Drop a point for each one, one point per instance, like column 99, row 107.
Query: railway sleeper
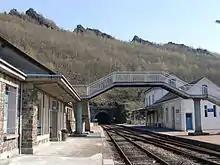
column 177, row 151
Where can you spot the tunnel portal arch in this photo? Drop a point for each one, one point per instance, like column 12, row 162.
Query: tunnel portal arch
column 103, row 117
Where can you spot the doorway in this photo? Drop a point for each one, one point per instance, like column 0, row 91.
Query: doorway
column 173, row 118
column 189, row 121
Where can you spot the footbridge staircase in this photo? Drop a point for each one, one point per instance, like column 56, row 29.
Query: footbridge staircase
column 143, row 79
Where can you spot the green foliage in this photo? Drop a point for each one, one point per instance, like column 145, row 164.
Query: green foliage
column 121, row 114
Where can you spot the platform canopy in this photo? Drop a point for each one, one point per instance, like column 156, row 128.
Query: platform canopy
column 54, row 85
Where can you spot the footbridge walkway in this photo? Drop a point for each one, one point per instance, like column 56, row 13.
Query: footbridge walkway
column 144, row 79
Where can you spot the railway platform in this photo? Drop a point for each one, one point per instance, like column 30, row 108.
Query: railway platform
column 90, row 150
column 213, row 137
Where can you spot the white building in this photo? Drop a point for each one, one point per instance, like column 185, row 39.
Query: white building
column 165, row 109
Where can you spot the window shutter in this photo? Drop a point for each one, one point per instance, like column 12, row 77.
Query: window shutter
column 12, row 110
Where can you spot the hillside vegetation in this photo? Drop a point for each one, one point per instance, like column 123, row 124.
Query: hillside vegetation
column 84, row 55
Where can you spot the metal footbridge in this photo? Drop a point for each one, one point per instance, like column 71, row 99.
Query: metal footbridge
column 143, row 79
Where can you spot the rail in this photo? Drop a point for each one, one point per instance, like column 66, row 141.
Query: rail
column 128, row 159
column 202, row 155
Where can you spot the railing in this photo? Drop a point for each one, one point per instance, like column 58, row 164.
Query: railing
column 81, row 89
column 215, row 92
column 199, row 89
column 214, row 98
column 143, row 77
column 185, row 87
column 133, row 77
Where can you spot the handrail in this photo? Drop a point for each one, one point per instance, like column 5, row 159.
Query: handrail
column 134, row 72
column 100, row 79
column 134, row 77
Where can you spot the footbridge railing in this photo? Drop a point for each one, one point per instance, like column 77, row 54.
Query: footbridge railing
column 139, row 78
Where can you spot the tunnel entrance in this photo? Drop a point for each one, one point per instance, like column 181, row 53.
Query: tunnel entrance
column 103, row 118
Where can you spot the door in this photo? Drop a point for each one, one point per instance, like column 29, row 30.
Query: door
column 54, row 120
column 173, row 118
column 189, row 121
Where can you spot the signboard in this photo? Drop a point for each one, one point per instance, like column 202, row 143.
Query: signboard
column 210, row 110
column 54, row 106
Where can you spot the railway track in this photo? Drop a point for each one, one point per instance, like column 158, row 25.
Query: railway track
column 205, row 155
column 131, row 152
column 190, row 153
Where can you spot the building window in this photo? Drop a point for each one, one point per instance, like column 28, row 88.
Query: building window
column 206, row 111
column 204, row 89
column 157, row 113
column 152, row 98
column 10, row 110
column 162, row 114
column 42, row 114
column 172, row 82
column 167, row 115
column 214, row 110
column 149, row 100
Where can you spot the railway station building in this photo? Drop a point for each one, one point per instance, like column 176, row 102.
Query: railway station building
column 167, row 110
column 35, row 103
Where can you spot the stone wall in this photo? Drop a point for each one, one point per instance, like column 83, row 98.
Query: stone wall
column 8, row 143
column 86, row 115
column 29, row 138
column 70, row 119
column 8, row 147
column 45, row 140
column 29, row 118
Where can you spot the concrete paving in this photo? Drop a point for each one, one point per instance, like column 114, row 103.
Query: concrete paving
column 56, row 160
column 75, row 151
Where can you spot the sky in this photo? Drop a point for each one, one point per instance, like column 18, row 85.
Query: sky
column 189, row 22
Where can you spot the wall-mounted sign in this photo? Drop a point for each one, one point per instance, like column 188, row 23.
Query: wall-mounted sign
column 54, row 106
column 210, row 110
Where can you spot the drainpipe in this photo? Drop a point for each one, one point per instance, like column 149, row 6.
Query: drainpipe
column 20, row 118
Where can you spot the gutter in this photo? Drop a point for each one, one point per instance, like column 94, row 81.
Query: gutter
column 13, row 69
column 71, row 87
